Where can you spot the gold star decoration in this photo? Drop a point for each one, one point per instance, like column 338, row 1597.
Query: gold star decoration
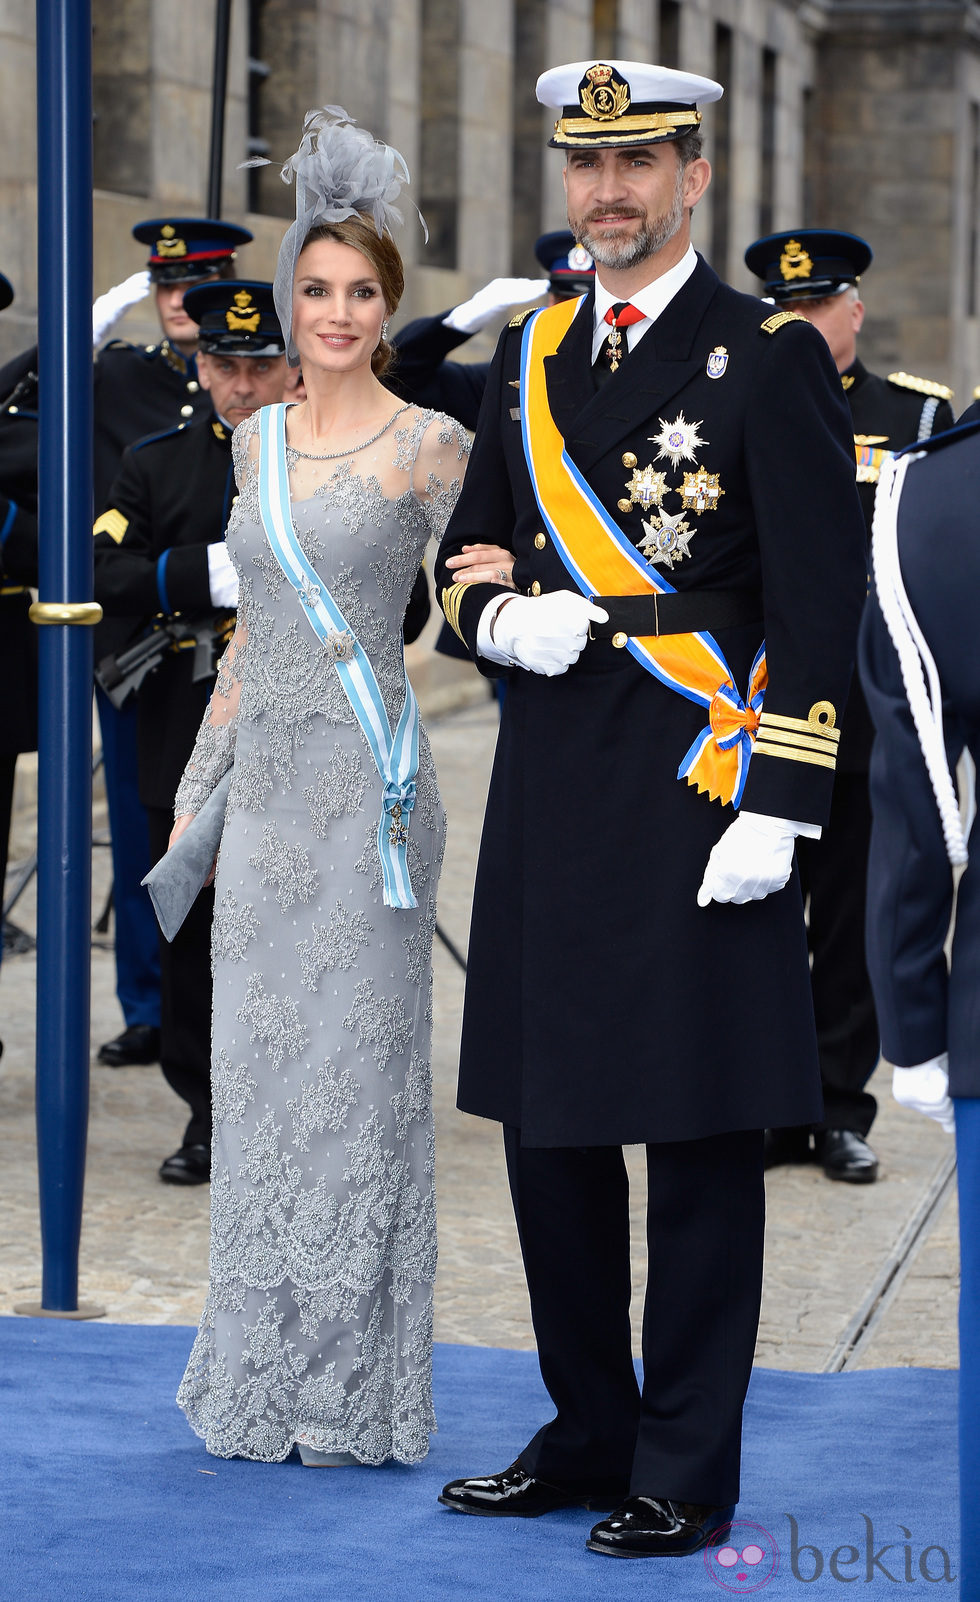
column 701, row 491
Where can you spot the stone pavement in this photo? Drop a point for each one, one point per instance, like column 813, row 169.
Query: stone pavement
column 857, row 1276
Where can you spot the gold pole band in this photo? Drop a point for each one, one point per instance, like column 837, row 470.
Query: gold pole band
column 86, row 612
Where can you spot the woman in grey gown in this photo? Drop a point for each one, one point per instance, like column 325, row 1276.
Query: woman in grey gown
column 318, row 1324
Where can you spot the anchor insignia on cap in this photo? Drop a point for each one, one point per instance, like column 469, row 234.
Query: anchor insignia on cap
column 603, row 93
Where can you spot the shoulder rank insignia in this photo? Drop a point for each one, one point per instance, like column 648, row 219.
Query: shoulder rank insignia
column 778, row 320
column 521, row 318
column 922, row 386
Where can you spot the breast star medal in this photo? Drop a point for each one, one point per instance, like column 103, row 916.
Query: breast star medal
column 667, row 538
column 646, row 488
column 678, row 440
column 701, row 491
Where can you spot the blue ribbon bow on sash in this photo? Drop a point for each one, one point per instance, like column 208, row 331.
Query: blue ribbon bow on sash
column 396, row 756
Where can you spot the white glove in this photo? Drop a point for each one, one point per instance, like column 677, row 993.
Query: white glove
column 222, row 577
column 110, row 307
column 489, row 302
column 925, row 1089
column 545, row 633
column 753, row 857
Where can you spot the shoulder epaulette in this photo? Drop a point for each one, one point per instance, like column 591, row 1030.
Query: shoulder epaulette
column 922, row 386
column 778, row 320
column 521, row 318
column 153, row 439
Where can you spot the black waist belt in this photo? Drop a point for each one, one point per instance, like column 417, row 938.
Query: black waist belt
column 691, row 612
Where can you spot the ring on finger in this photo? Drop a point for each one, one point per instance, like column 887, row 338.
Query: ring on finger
column 501, row 574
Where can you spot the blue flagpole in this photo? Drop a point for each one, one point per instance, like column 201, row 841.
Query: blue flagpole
column 65, row 609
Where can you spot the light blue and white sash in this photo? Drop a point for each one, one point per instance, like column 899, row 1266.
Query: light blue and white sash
column 397, row 758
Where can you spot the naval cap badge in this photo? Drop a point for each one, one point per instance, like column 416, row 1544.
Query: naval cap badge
column 603, row 93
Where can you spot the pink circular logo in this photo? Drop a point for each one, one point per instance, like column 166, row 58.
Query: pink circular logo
column 746, row 1560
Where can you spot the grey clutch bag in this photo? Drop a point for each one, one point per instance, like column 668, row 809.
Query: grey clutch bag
column 178, row 878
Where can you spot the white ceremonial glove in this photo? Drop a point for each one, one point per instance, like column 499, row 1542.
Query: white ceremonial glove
column 489, row 302
column 222, row 578
column 109, row 307
column 753, row 857
column 925, row 1089
column 545, row 633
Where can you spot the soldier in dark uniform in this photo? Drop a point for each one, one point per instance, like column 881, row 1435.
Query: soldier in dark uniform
column 18, row 547
column 927, row 569
column 159, row 549
column 692, row 470
column 424, row 376
column 140, row 390
column 816, row 273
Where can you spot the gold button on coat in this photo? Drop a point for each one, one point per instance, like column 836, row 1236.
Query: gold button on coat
column 536, row 588
column 540, row 542
column 619, row 640
column 624, row 505
column 187, row 411
column 629, row 460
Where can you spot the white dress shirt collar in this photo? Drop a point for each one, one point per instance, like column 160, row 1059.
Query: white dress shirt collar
column 651, row 300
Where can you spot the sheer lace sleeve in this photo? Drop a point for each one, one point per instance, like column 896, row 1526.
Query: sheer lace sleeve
column 214, row 748
column 440, row 463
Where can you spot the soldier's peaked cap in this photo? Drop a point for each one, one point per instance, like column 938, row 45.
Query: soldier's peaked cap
column 808, row 263
column 236, row 318
column 610, row 103
column 189, row 247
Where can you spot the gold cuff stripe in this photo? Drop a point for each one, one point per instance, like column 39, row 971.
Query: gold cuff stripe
column 825, row 731
column 807, row 742
column 451, row 601
column 645, row 122
column 792, row 754
column 112, row 523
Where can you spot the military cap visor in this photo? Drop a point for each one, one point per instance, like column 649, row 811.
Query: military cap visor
column 570, row 268
column 613, row 103
column 808, row 264
column 6, row 292
column 183, row 248
column 236, row 318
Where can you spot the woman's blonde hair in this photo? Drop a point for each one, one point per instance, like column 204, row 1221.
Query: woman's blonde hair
column 382, row 252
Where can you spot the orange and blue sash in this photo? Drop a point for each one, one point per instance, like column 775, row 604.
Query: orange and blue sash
column 602, row 561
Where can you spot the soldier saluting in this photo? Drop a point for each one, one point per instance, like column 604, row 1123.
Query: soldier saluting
column 672, row 466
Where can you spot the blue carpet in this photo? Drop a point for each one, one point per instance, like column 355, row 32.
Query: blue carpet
column 107, row 1496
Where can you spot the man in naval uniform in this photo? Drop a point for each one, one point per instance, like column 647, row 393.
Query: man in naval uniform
column 816, row 273
column 637, row 962
column 159, row 550
column 927, row 574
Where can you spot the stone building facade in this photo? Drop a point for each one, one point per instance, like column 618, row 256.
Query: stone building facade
column 857, row 114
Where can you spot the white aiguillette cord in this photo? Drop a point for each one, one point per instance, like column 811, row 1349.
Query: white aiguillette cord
column 919, row 672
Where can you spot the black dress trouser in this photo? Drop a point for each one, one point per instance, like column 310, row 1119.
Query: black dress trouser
column 185, row 998
column 679, row 1437
column 833, row 873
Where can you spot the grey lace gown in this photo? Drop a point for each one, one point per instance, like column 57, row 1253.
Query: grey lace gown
column 318, row 1322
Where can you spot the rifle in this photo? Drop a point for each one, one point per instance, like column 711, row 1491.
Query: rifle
column 120, row 676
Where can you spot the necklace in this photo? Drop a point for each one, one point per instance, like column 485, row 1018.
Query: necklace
column 329, row 456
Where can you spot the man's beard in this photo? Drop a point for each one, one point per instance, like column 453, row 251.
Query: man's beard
column 620, row 253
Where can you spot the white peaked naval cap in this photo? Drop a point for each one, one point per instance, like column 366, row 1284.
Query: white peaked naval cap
column 622, row 102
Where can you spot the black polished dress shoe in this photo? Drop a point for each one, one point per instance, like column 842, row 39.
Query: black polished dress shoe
column 515, row 1494
column 137, row 1045
column 786, row 1146
column 846, row 1155
column 648, row 1526
column 189, row 1166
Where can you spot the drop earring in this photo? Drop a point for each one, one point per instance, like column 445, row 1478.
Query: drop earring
column 384, row 330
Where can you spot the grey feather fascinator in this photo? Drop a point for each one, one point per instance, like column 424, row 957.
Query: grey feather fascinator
column 339, row 171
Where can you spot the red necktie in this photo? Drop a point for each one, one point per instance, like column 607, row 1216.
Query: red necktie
column 619, row 316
